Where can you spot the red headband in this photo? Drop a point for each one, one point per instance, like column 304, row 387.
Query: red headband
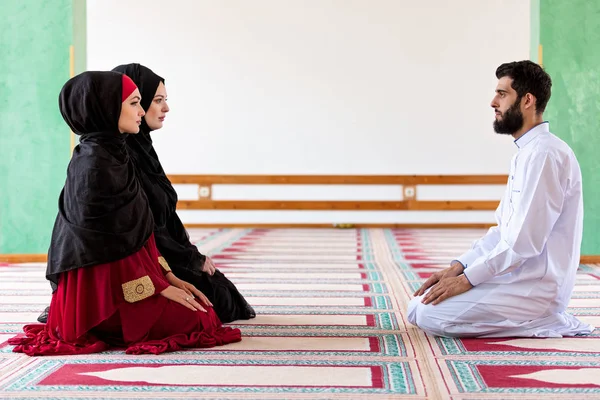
column 128, row 87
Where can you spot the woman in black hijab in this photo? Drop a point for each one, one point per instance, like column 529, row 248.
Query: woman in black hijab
column 110, row 286
column 171, row 237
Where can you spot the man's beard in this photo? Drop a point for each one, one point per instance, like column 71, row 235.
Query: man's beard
column 512, row 120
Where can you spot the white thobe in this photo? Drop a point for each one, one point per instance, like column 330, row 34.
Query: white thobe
column 523, row 270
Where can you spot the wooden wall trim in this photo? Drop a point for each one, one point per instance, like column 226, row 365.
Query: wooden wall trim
column 410, row 205
column 206, row 183
column 339, row 179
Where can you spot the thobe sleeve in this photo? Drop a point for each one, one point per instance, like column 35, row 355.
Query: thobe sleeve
column 531, row 223
column 484, row 245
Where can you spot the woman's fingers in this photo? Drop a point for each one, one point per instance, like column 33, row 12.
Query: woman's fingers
column 194, row 303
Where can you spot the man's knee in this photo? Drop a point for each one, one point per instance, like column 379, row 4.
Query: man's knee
column 411, row 312
column 431, row 319
column 419, row 314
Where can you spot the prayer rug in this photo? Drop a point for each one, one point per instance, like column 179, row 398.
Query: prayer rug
column 331, row 323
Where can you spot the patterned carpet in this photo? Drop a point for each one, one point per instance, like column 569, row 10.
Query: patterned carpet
column 331, row 324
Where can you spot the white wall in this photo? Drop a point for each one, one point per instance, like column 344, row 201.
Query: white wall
column 320, row 86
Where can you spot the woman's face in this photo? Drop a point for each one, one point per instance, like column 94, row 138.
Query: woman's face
column 158, row 108
column 131, row 113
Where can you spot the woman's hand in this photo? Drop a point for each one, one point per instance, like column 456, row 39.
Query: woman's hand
column 209, row 266
column 188, row 288
column 180, row 296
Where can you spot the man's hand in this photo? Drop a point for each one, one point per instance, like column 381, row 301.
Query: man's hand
column 454, row 270
column 188, row 288
column 209, row 266
column 446, row 288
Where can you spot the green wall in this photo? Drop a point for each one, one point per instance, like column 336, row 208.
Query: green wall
column 570, row 36
column 34, row 140
column 35, row 143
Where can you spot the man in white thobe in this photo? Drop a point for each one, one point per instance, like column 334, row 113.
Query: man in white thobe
column 516, row 281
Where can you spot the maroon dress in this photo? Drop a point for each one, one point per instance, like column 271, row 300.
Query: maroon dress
column 119, row 304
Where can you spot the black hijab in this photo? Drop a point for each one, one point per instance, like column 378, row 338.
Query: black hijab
column 172, row 239
column 103, row 213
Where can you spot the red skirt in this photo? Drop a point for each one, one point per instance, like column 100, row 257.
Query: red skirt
column 89, row 314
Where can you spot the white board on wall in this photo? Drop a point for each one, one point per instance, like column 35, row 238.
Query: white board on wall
column 320, row 87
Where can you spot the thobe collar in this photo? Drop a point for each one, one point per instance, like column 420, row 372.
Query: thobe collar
column 532, row 134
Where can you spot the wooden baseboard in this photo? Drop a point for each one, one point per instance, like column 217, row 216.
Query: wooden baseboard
column 590, row 259
column 38, row 258
column 344, row 226
column 23, row 258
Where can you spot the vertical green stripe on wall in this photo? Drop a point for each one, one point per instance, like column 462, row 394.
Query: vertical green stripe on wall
column 570, row 35
column 34, row 140
column 79, row 44
column 80, row 34
column 534, row 39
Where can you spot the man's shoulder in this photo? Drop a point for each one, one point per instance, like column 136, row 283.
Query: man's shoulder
column 553, row 146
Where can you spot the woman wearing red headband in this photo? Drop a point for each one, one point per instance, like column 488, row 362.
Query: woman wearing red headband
column 110, row 287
